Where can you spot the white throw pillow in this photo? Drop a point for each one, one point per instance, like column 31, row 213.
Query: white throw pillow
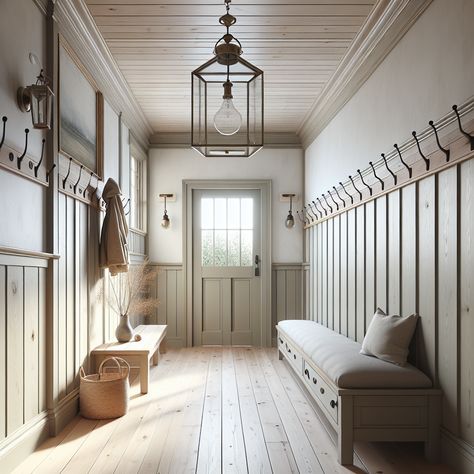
column 388, row 337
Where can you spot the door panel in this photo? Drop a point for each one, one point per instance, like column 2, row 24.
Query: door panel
column 226, row 292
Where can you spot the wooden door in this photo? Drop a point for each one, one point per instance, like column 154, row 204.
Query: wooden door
column 227, row 296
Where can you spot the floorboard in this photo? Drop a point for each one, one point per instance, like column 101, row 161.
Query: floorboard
column 213, row 410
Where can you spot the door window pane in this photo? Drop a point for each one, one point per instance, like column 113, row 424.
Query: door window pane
column 227, row 232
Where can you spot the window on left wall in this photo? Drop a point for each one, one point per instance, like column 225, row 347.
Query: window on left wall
column 137, row 194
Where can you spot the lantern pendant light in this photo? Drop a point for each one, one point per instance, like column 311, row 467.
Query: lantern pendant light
column 227, row 100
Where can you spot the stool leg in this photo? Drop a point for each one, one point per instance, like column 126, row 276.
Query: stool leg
column 144, row 374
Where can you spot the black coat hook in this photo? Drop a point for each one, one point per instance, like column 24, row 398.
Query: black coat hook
column 41, row 159
column 330, row 195
column 355, row 187
column 345, row 190
column 467, row 135
column 4, row 120
column 317, row 210
column 88, row 184
column 67, row 175
column 312, row 212
column 394, row 176
column 322, row 207
column 326, row 201
column 78, row 179
column 339, row 196
column 426, row 160
column 364, row 183
column 50, row 171
column 19, row 159
column 376, row 176
column 127, row 202
column 307, row 213
column 403, row 161
column 444, row 150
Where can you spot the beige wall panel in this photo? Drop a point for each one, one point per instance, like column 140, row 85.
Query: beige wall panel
column 70, row 293
column 408, row 252
column 62, row 295
column 337, row 274
column 3, row 341
column 330, row 258
column 280, row 295
column 171, row 302
column 466, row 330
column 14, row 385
column 360, row 273
column 42, row 340
column 427, row 276
column 447, row 296
column 393, row 250
column 291, row 295
column 351, row 273
column 381, row 280
column 30, row 343
column 83, row 289
column 344, row 241
column 370, row 275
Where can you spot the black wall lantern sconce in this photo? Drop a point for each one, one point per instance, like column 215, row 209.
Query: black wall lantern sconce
column 165, row 221
column 290, row 220
column 37, row 99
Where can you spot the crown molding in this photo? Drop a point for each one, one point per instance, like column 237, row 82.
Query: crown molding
column 385, row 26
column 79, row 29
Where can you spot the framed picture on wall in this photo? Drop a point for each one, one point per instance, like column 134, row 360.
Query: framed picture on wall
column 80, row 111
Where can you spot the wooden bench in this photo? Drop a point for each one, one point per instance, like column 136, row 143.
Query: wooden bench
column 136, row 353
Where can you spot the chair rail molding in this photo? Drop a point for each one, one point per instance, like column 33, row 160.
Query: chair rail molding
column 78, row 28
column 385, row 26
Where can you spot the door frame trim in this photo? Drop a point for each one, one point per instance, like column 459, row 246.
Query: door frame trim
column 265, row 187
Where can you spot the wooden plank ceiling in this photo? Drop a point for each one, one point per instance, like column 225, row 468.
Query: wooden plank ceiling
column 157, row 43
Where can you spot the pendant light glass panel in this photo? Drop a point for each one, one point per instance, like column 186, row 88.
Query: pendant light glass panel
column 207, row 100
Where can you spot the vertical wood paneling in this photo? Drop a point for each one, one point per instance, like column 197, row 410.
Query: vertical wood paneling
column 343, row 240
column 30, row 343
column 337, row 274
column 62, row 296
column 3, row 342
column 70, row 315
column 42, row 340
column 330, row 258
column 280, row 295
column 320, row 267
column 291, row 294
column 466, row 329
column 447, row 296
column 351, row 273
column 393, row 239
column 370, row 305
column 83, row 289
column 408, row 252
column 311, row 259
column 171, row 302
column 381, row 256
column 14, row 385
column 427, row 276
column 360, row 273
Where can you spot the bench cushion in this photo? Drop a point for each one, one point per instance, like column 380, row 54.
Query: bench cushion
column 340, row 358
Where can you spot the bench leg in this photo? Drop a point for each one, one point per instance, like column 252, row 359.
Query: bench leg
column 163, row 346
column 144, row 374
column 432, row 444
column 156, row 355
column 345, row 434
column 280, row 355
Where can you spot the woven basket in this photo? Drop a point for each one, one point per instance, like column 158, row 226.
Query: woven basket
column 105, row 395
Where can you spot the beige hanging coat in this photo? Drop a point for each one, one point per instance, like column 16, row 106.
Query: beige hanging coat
column 113, row 252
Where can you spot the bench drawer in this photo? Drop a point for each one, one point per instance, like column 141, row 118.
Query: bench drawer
column 321, row 389
column 292, row 355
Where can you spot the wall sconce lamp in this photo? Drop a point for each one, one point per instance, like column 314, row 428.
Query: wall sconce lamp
column 165, row 221
column 290, row 220
column 37, row 98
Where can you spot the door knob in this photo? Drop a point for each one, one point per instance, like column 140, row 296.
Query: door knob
column 257, row 266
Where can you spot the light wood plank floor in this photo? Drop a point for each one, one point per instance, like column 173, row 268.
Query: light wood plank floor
column 212, row 410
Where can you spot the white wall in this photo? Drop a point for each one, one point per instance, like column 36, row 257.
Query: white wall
column 169, row 167
column 21, row 201
column 430, row 69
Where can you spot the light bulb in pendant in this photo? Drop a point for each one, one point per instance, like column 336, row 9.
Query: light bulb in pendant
column 227, row 120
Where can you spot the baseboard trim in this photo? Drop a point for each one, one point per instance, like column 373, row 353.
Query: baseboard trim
column 64, row 412
column 457, row 453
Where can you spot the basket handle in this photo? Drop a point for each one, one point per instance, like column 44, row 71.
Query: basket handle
column 118, row 361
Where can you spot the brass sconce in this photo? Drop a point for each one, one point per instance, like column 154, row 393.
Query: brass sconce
column 37, row 99
column 165, row 220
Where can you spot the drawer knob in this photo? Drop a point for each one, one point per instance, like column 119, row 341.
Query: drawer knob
column 281, row 340
column 294, row 356
column 314, row 380
column 289, row 350
column 333, row 404
column 306, row 372
column 321, row 390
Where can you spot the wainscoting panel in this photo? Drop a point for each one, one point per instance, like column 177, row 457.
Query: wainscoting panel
column 22, row 340
column 411, row 250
